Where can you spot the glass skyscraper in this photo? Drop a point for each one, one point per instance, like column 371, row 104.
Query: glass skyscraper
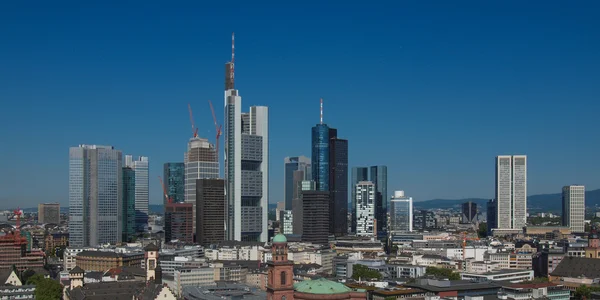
column 142, row 198
column 128, row 217
column 320, row 156
column 174, row 176
column 291, row 165
column 401, row 213
column 379, row 178
column 95, row 195
column 338, row 184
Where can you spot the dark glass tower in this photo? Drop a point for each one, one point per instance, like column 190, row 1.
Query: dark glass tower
column 128, row 214
column 320, row 156
column 469, row 212
column 338, row 184
column 379, row 178
column 174, row 175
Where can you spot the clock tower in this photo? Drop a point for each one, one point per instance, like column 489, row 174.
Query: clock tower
column 280, row 284
column 151, row 261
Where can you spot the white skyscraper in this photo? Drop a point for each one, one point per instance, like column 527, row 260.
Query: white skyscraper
column 573, row 212
column 401, row 213
column 142, row 198
column 95, row 198
column 511, row 191
column 246, row 165
column 365, row 208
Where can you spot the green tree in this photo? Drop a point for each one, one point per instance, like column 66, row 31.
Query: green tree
column 363, row 272
column 440, row 272
column 482, row 232
column 26, row 275
column 45, row 288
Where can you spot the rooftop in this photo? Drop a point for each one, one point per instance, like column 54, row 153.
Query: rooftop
column 321, row 286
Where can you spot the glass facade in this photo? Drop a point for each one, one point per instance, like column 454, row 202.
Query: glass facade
column 401, row 214
column 291, row 165
column 128, row 217
column 338, row 184
column 379, row 178
column 174, row 176
column 320, row 156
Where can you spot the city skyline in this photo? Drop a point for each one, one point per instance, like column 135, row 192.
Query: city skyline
column 508, row 64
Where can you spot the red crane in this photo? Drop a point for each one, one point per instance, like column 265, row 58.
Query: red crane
column 18, row 213
column 169, row 200
column 217, row 128
column 194, row 129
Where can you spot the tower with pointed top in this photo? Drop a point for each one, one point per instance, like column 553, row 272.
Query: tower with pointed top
column 246, row 164
column 151, row 261
column 280, row 281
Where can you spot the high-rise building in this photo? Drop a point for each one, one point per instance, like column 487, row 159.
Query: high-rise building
column 95, row 195
column 200, row 162
column 246, row 165
column 320, row 156
column 365, row 208
column 379, row 177
column 358, row 174
column 424, row 220
column 297, row 206
column 140, row 166
column 174, row 176
column 401, row 213
column 573, row 207
column 286, row 222
column 210, row 211
column 492, row 216
column 49, row 213
column 511, row 191
column 338, row 184
column 315, row 217
column 280, row 207
column 128, row 206
column 179, row 220
column 291, row 165
column 469, row 212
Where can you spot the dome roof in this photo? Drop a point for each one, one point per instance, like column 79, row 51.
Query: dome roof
column 321, row 286
column 280, row 238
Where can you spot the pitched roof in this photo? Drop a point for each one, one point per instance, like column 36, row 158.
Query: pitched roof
column 76, row 270
column 151, row 247
column 4, row 274
column 578, row 266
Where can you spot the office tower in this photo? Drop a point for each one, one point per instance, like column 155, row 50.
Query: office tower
column 365, row 208
column 320, row 156
column 358, row 174
column 573, row 207
column 128, row 206
column 424, row 220
column 200, row 162
column 492, row 216
column 246, row 165
column 210, row 211
column 286, row 222
column 315, row 217
column 174, row 176
column 469, row 212
column 338, row 184
column 49, row 213
column 401, row 213
column 297, row 206
column 95, row 199
column 140, row 166
column 379, row 178
column 511, row 191
column 280, row 207
column 179, row 221
column 291, row 165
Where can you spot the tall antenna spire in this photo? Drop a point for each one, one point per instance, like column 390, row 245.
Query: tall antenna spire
column 321, row 110
column 232, row 59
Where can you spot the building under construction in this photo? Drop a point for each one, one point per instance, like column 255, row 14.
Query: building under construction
column 13, row 252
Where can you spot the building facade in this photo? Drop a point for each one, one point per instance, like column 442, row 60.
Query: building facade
column 365, row 208
column 320, row 156
column 210, row 211
column 142, row 198
column 95, row 195
column 174, row 176
column 401, row 213
column 179, row 220
column 297, row 206
column 128, row 206
column 511, row 191
column 379, row 178
column 358, row 174
column 338, row 184
column 49, row 213
column 469, row 212
column 286, row 222
column 573, row 207
column 291, row 165
column 315, row 217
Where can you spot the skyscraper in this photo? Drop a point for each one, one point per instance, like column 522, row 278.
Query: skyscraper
column 210, row 212
column 246, row 165
column 49, row 213
column 365, row 208
column 511, row 191
column 573, row 207
column 174, row 176
column 297, row 206
column 179, row 221
column 492, row 216
column 401, row 213
column 469, row 212
column 128, row 198
column 320, row 156
column 358, row 174
column 140, row 166
column 379, row 178
column 95, row 183
column 200, row 162
column 292, row 164
column 315, row 217
column 338, row 184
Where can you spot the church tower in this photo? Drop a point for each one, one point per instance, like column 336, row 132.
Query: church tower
column 151, row 261
column 280, row 284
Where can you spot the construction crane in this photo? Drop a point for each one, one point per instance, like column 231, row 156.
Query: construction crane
column 18, row 214
column 169, row 200
column 194, row 129
column 217, row 128
column 464, row 244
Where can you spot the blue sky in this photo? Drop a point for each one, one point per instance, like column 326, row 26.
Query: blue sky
column 432, row 89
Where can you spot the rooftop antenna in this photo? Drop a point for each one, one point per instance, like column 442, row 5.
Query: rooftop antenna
column 232, row 59
column 321, row 110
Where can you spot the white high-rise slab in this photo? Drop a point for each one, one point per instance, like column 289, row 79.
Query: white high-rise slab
column 365, row 208
column 511, row 191
column 573, row 212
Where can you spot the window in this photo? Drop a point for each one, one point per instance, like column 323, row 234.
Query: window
column 283, row 278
